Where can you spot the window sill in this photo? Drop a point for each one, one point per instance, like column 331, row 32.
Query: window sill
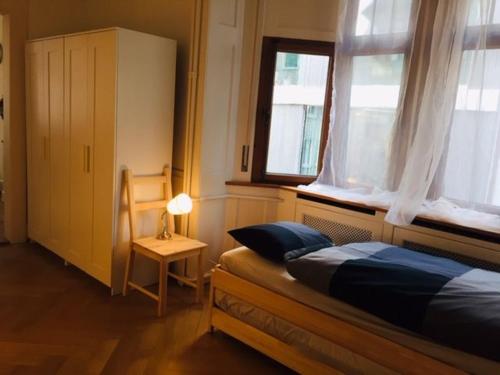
column 254, row 184
column 441, row 225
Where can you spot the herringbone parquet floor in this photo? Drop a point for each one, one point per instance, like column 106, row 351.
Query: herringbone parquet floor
column 57, row 320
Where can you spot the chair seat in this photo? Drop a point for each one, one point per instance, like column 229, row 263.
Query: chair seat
column 177, row 247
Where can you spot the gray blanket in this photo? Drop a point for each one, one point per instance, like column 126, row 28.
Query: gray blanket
column 444, row 300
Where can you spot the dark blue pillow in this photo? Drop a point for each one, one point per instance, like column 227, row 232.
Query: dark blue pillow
column 274, row 240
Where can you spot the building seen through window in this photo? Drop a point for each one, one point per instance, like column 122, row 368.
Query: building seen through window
column 297, row 113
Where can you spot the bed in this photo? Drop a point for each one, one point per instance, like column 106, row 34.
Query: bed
column 259, row 303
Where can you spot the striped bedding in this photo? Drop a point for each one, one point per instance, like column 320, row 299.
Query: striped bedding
column 444, row 300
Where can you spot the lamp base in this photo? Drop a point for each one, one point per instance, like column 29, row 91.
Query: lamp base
column 165, row 236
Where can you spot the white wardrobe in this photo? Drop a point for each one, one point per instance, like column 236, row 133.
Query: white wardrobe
column 97, row 102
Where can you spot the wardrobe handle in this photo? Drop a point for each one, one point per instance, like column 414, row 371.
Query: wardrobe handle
column 88, row 159
column 47, row 147
column 84, row 158
column 44, row 147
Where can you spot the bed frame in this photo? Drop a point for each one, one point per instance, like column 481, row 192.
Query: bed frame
column 366, row 344
column 345, row 222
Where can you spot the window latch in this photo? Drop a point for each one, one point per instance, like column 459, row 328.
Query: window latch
column 244, row 158
column 267, row 117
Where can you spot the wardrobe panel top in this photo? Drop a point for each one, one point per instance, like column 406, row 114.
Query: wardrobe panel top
column 92, row 32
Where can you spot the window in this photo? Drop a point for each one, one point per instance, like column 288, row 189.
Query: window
column 472, row 161
column 293, row 110
column 381, row 45
column 291, row 60
column 417, row 110
column 376, row 83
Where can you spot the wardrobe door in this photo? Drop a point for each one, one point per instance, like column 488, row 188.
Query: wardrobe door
column 78, row 98
column 102, row 49
column 58, row 215
column 37, row 143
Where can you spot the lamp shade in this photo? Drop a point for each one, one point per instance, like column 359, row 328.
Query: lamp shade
column 180, row 205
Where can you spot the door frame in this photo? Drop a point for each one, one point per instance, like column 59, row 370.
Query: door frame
column 15, row 34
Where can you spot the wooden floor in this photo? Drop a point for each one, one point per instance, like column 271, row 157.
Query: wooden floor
column 57, row 320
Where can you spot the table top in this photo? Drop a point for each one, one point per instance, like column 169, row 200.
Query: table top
column 177, row 245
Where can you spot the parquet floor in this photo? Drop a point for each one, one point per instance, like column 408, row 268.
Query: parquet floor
column 57, row 320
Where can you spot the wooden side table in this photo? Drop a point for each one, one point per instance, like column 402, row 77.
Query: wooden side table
column 164, row 252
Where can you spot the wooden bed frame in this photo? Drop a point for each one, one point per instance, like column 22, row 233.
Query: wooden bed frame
column 366, row 344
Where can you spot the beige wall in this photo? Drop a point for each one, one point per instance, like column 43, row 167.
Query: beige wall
column 216, row 122
column 169, row 18
column 298, row 19
column 301, row 19
column 229, row 78
column 15, row 33
column 308, row 19
column 28, row 19
column 1, row 96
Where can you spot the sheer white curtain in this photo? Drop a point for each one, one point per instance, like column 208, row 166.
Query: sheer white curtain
column 457, row 144
column 374, row 41
column 373, row 49
column 474, row 144
column 451, row 170
column 435, row 113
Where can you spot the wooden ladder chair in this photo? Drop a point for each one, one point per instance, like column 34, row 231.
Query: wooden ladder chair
column 162, row 251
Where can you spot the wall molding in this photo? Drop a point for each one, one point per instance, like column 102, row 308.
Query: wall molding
column 233, row 15
column 235, row 196
column 177, row 172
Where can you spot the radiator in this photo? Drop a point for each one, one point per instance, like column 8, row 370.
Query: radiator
column 340, row 233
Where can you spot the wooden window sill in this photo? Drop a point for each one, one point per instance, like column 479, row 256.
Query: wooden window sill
column 254, row 184
column 440, row 225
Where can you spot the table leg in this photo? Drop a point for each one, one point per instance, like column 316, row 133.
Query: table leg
column 162, row 289
column 199, row 280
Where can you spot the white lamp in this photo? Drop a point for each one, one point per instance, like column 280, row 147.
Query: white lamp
column 180, row 205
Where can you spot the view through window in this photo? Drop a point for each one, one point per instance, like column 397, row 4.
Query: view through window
column 297, row 113
column 293, row 110
column 472, row 162
column 380, row 44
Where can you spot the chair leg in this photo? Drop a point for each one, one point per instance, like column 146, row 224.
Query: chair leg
column 129, row 269
column 162, row 288
column 199, row 280
column 211, row 328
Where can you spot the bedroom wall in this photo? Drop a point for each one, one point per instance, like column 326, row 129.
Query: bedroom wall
column 208, row 157
column 15, row 30
column 233, row 30
column 298, row 19
column 225, row 103
column 168, row 18
column 2, row 125
column 213, row 157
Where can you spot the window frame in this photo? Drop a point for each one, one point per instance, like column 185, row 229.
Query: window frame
column 472, row 34
column 414, row 48
column 270, row 48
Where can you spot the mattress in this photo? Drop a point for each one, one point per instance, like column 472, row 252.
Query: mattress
column 250, row 266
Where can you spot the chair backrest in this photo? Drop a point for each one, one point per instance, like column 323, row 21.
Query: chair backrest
column 133, row 206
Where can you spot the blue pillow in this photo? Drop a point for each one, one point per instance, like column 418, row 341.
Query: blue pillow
column 274, row 240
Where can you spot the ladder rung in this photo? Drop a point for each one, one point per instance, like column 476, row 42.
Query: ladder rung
column 143, row 206
column 144, row 290
column 149, row 180
column 183, row 279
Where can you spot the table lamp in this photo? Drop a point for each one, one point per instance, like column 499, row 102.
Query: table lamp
column 180, row 205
